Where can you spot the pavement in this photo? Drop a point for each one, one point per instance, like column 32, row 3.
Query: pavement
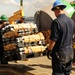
column 36, row 66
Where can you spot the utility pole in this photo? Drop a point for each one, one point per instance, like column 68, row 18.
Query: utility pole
column 21, row 4
column 21, row 7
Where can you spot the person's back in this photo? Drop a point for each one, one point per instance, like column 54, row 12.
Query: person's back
column 65, row 27
column 60, row 45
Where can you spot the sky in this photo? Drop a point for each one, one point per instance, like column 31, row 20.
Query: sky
column 8, row 7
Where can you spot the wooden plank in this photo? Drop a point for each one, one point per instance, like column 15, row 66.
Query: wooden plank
column 34, row 49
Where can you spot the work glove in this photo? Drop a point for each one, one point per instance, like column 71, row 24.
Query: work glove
column 48, row 53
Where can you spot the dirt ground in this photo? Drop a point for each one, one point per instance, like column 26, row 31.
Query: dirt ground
column 37, row 66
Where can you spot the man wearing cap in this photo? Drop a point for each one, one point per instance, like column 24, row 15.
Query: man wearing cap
column 60, row 46
column 22, row 20
column 3, row 21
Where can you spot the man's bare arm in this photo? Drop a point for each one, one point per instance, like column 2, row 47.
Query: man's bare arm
column 51, row 44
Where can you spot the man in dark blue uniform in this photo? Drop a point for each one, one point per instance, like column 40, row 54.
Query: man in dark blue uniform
column 60, row 45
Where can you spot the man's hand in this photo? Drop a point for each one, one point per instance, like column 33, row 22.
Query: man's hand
column 1, row 26
column 49, row 53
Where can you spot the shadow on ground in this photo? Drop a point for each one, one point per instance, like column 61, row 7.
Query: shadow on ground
column 14, row 69
column 41, row 65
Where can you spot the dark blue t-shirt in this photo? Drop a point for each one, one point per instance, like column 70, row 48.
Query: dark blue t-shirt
column 62, row 30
